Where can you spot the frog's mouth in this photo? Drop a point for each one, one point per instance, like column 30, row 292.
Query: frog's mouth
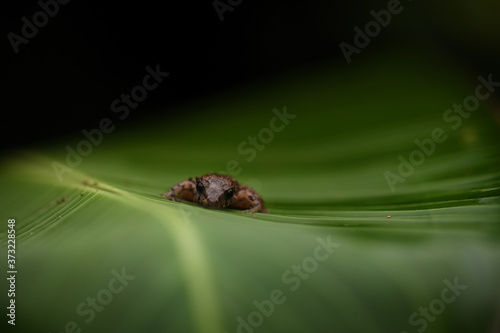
column 211, row 203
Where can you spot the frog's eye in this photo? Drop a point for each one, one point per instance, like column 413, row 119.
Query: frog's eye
column 229, row 193
column 199, row 187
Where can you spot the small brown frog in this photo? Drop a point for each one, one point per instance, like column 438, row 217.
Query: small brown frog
column 217, row 191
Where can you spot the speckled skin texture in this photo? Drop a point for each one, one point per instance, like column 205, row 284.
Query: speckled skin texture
column 217, row 191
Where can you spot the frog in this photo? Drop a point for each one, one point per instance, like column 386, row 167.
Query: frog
column 217, row 191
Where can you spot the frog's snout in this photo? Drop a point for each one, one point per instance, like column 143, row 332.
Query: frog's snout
column 211, row 202
column 213, row 196
column 215, row 202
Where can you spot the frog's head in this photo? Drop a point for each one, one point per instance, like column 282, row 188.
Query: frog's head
column 216, row 191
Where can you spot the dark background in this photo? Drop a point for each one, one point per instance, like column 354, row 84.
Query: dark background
column 65, row 78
